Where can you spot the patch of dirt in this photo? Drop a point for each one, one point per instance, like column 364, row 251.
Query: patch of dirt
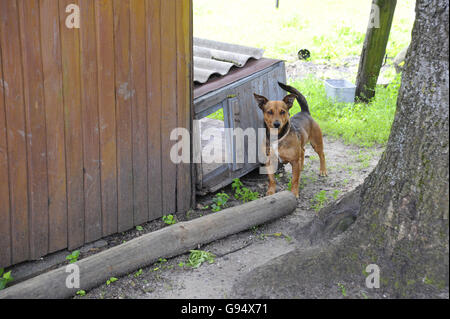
column 236, row 255
column 346, row 68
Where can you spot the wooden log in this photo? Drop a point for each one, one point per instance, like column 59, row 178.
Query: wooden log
column 147, row 249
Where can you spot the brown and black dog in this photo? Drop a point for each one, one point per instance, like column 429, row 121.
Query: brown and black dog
column 293, row 133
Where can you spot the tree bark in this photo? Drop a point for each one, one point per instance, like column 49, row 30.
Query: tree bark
column 401, row 220
column 374, row 49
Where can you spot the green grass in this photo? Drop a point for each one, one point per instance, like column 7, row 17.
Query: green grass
column 330, row 29
column 356, row 123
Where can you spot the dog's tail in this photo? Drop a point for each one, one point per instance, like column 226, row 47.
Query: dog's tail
column 300, row 98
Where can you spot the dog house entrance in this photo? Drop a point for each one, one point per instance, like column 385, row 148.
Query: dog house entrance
column 215, row 145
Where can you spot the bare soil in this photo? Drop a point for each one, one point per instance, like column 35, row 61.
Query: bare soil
column 348, row 165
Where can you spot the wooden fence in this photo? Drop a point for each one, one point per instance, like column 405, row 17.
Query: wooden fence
column 85, row 120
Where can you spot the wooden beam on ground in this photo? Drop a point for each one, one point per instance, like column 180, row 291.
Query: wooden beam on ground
column 147, row 249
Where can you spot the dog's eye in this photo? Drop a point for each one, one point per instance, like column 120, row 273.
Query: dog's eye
column 282, row 112
column 270, row 112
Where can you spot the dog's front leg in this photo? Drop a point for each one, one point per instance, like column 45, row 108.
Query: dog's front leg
column 271, row 170
column 295, row 177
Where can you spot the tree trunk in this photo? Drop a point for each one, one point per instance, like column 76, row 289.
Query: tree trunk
column 401, row 220
column 374, row 49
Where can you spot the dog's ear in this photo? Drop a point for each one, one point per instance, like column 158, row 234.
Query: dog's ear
column 289, row 100
column 262, row 101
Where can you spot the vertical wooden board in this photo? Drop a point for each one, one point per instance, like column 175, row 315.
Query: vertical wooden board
column 56, row 166
column 16, row 134
column 274, row 89
column 89, row 109
column 123, row 114
column 139, row 111
column 70, row 52
column 154, row 104
column 36, row 126
column 169, row 102
column 107, row 113
column 5, row 222
column 280, row 76
column 246, row 102
column 184, row 61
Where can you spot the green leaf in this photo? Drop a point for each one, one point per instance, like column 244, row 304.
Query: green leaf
column 81, row 293
column 139, row 228
column 8, row 276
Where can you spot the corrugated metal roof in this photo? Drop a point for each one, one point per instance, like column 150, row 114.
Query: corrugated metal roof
column 213, row 57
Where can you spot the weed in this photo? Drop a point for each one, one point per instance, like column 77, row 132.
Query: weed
column 336, row 194
column 319, row 200
column 139, row 228
column 138, row 273
column 81, row 293
column 169, row 219
column 343, row 290
column 198, row 257
column 236, row 186
column 243, row 193
column 219, row 201
column 73, row 257
column 5, row 278
column 248, row 195
column 364, row 159
column 111, row 280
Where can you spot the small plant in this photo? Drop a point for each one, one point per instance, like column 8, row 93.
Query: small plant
column 364, row 158
column 138, row 273
column 139, row 228
column 198, row 257
column 73, row 257
column 243, row 193
column 336, row 194
column 343, row 290
column 247, row 195
column 81, row 293
column 5, row 278
column 111, row 280
column 169, row 219
column 236, row 186
column 319, row 200
column 219, row 202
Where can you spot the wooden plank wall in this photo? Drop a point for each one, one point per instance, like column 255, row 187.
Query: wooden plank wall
column 85, row 120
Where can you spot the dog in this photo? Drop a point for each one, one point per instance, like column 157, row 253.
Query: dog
column 291, row 136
